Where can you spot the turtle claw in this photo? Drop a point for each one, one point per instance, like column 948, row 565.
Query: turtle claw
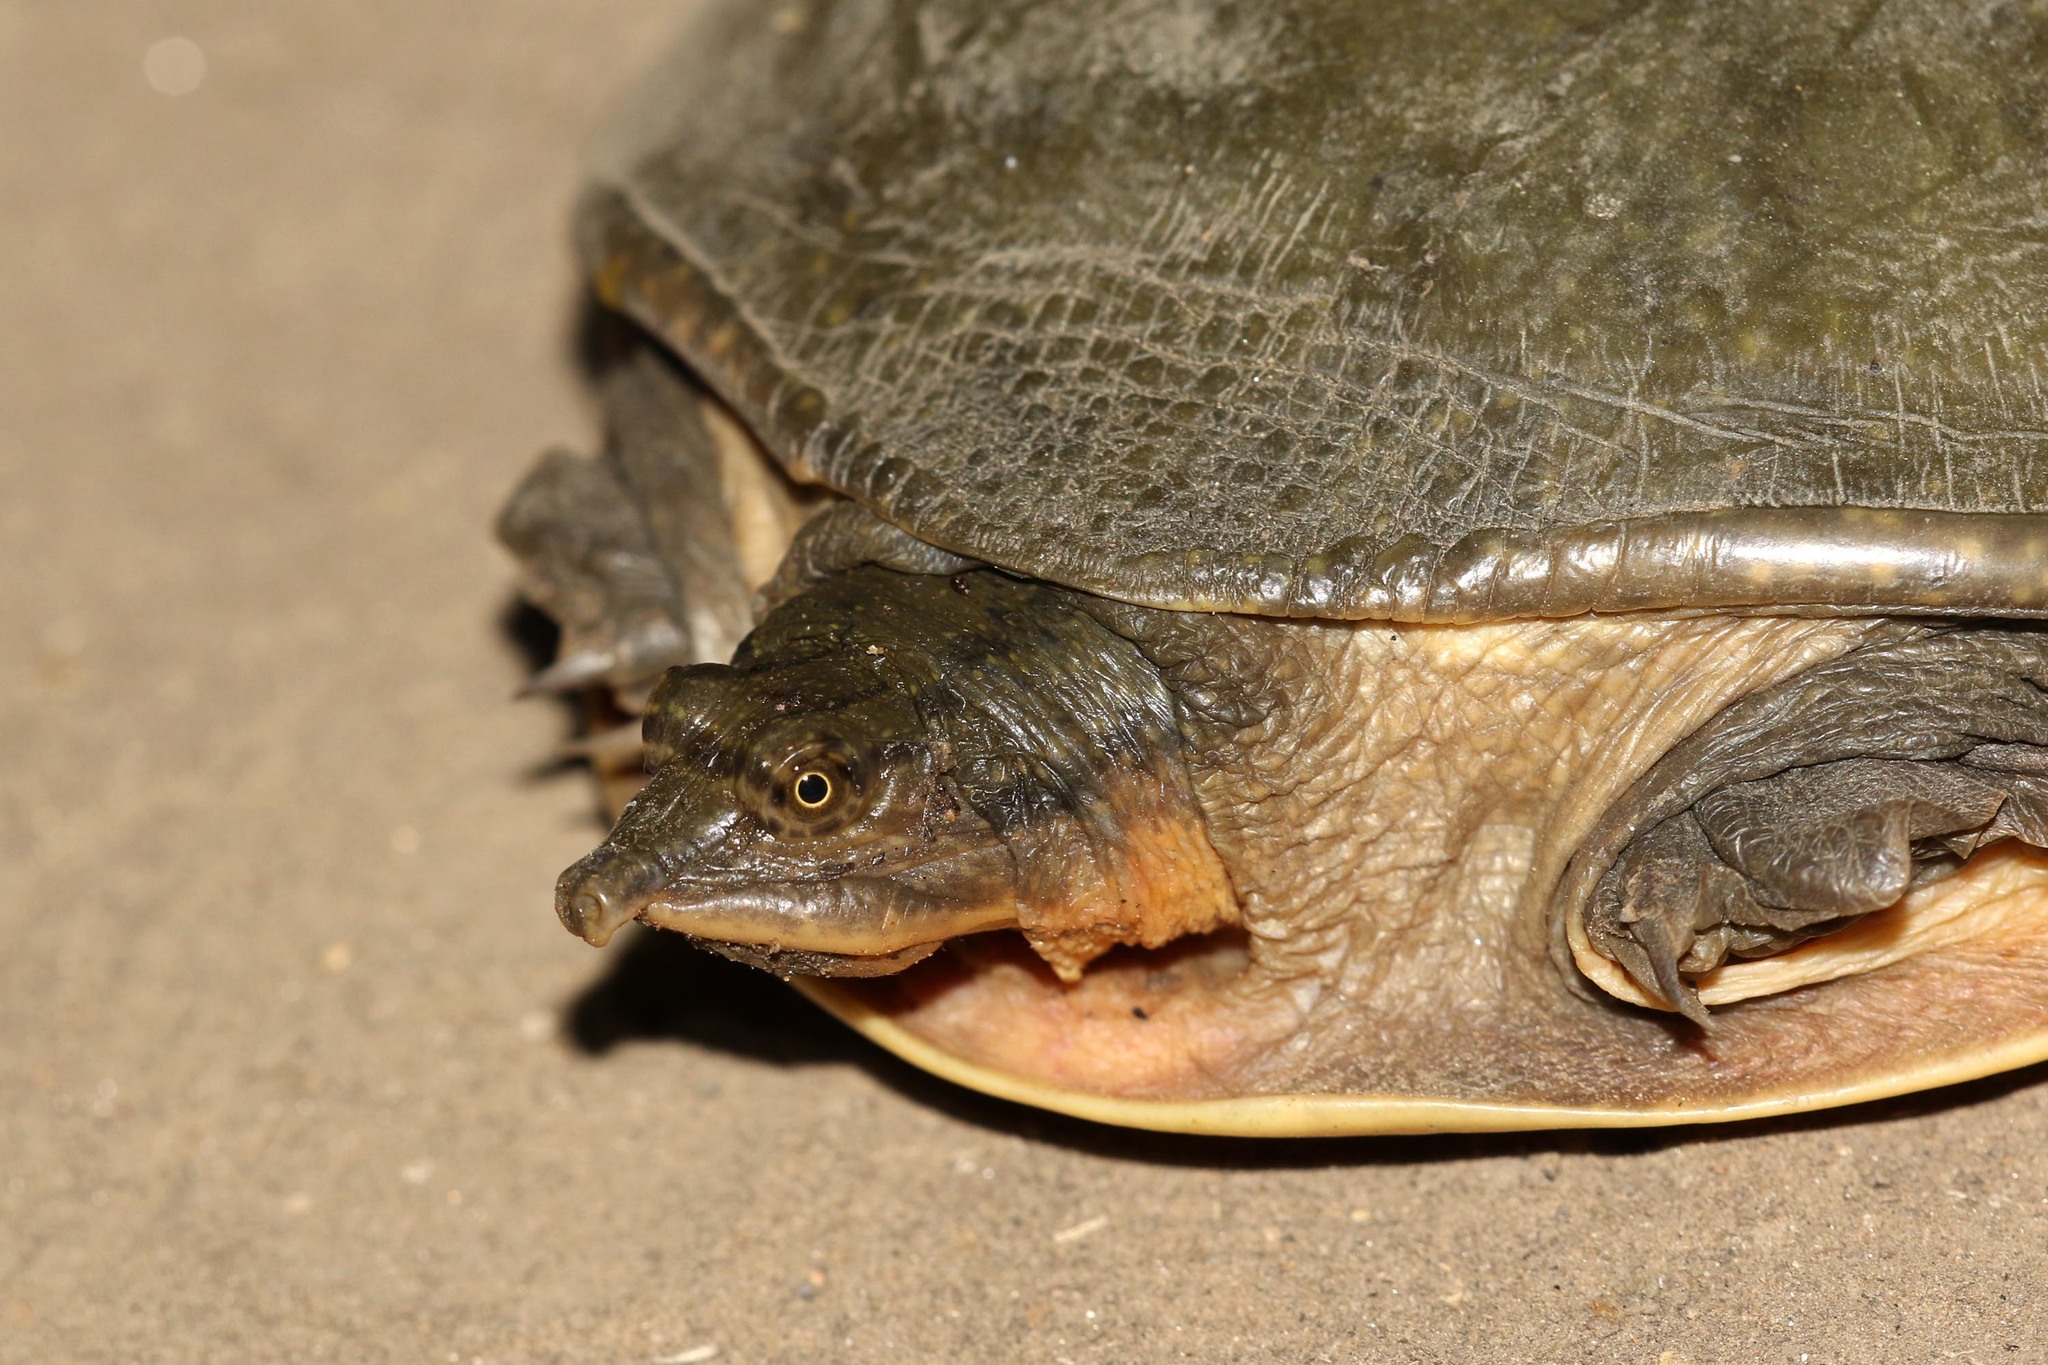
column 1757, row 868
column 631, row 551
column 1653, row 927
column 619, row 744
column 588, row 561
column 570, row 673
column 1653, row 933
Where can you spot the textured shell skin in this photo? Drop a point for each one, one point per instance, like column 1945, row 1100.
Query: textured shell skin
column 1419, row 310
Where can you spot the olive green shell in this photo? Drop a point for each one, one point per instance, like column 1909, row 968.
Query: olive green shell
column 1415, row 309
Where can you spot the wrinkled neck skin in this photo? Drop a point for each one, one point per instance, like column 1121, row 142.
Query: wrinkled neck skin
column 1059, row 735
column 1396, row 805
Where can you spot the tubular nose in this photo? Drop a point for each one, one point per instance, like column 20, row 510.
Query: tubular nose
column 600, row 893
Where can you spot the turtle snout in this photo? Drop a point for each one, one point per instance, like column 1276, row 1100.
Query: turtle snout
column 602, row 892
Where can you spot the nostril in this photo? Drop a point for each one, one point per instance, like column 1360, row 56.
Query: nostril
column 588, row 908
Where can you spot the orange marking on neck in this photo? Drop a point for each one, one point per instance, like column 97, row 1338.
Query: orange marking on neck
column 1163, row 882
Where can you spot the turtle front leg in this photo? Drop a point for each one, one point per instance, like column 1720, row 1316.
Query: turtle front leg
column 634, row 551
column 1763, row 834
column 845, row 536
column 1760, row 867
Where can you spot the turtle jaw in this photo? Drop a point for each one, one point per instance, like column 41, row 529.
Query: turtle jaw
column 850, row 925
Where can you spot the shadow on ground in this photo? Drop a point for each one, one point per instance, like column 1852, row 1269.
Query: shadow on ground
column 657, row 988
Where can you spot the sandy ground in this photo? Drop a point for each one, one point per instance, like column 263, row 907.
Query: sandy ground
column 297, row 1064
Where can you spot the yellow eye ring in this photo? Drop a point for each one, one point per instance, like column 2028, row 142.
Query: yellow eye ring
column 813, row 786
column 813, row 790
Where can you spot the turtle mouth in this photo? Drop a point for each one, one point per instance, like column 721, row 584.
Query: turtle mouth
column 846, row 925
column 793, row 962
column 851, row 926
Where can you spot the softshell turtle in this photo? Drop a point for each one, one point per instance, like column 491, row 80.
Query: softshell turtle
column 1362, row 567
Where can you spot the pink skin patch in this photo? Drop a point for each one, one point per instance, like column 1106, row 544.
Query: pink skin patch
column 1165, row 1023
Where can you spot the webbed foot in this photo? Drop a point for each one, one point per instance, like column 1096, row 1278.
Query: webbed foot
column 1761, row 832
column 632, row 551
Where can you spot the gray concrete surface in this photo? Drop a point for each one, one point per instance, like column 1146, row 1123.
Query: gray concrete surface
column 295, row 1063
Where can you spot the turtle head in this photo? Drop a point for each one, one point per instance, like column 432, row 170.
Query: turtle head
column 892, row 761
column 798, row 815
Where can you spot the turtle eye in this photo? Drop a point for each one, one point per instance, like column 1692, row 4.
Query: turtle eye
column 815, row 788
